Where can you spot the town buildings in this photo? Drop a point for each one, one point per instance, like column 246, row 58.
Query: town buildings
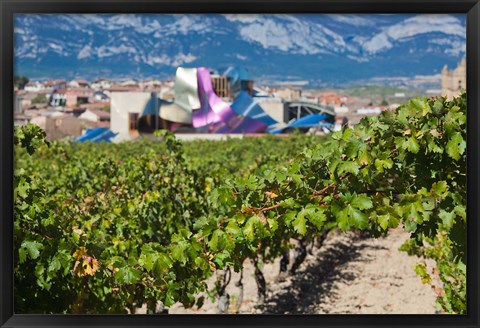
column 63, row 109
column 129, row 107
column 288, row 94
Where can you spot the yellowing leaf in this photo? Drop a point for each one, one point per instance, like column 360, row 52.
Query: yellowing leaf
column 79, row 253
column 271, row 194
column 87, row 269
column 95, row 265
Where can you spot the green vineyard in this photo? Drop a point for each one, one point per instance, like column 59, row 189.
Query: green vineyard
column 105, row 228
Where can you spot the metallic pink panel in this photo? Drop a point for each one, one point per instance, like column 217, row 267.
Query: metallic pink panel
column 213, row 109
column 240, row 124
column 214, row 112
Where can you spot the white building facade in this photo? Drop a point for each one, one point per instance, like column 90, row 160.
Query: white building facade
column 125, row 109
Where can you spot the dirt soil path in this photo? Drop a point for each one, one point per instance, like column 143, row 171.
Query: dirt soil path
column 348, row 274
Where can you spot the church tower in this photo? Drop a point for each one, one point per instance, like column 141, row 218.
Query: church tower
column 453, row 81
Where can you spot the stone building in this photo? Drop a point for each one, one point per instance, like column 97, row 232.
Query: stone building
column 454, row 80
column 288, row 94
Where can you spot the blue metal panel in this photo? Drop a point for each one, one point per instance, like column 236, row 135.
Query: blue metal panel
column 312, row 120
column 96, row 135
column 245, row 105
column 105, row 136
column 309, row 120
column 236, row 74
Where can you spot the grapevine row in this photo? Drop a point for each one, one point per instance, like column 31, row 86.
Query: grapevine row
column 146, row 221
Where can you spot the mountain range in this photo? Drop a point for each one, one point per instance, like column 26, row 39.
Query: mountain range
column 303, row 48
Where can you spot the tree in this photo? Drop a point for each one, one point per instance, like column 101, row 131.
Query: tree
column 20, row 81
column 40, row 99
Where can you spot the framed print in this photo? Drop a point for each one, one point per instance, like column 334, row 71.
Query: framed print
column 210, row 163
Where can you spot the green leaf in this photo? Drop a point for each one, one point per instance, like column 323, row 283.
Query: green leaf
column 411, row 144
column 361, row 202
column 350, row 217
column 280, row 176
column 383, row 221
column 453, row 121
column 421, row 270
column 364, row 158
column 462, row 267
column 201, row 263
column 341, row 216
column 162, row 264
column 456, row 146
column 381, row 164
column 410, row 225
column 248, row 182
column 357, row 218
column 448, row 218
column 220, row 241
column 433, row 147
column 54, row 265
column 353, row 147
column 289, row 217
column 249, row 229
column 22, row 188
column 439, row 189
column 39, row 270
column 272, row 224
column 221, row 197
column 22, row 255
column 178, row 252
column 214, row 241
column 201, row 222
column 412, row 212
column 316, row 216
column 435, row 133
column 147, row 259
column 294, row 168
column 221, row 259
column 232, row 228
column 438, row 106
column 289, row 203
column 65, row 261
column 33, row 248
column 127, row 275
column 300, row 224
column 421, row 105
column 169, row 298
column 461, row 211
column 348, row 167
column 387, row 221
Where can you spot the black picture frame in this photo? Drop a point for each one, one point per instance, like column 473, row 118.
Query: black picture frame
column 9, row 7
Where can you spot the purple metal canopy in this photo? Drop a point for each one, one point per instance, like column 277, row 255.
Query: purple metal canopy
column 214, row 112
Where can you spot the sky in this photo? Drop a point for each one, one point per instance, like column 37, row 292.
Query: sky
column 149, row 44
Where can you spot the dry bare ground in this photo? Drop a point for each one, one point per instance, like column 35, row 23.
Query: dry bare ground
column 349, row 274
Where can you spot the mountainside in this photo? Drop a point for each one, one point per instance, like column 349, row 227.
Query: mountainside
column 320, row 49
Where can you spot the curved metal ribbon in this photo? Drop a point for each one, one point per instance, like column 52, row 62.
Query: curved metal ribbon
column 213, row 109
column 223, row 118
column 186, row 97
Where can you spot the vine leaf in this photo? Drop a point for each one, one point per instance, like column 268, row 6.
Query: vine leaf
column 127, row 275
column 411, row 144
column 448, row 218
column 456, row 146
column 33, row 248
